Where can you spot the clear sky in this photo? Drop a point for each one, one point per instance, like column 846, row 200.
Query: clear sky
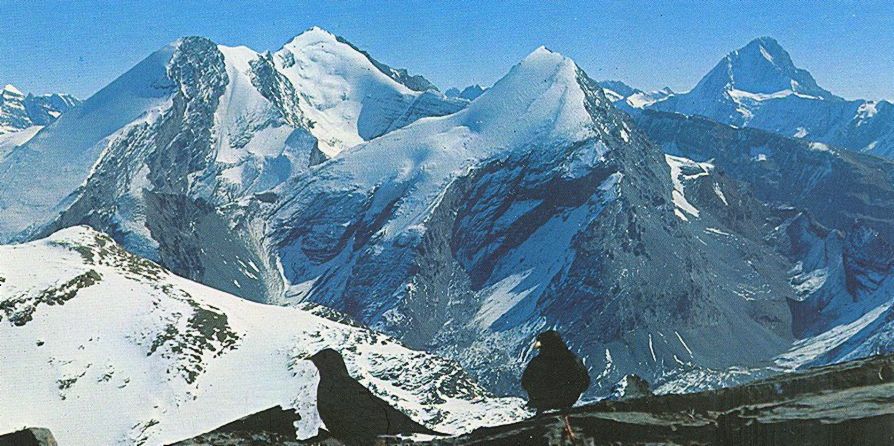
column 78, row 47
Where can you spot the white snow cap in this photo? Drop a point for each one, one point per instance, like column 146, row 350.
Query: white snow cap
column 341, row 88
column 10, row 88
column 541, row 88
column 314, row 33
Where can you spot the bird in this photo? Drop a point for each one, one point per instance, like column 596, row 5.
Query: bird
column 556, row 377
column 351, row 413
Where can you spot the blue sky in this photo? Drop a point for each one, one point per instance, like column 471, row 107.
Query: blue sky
column 79, row 47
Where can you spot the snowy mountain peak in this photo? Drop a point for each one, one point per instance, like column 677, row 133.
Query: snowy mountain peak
column 751, row 84
column 312, row 35
column 769, row 49
column 545, row 87
column 19, row 111
column 762, row 67
column 545, row 65
column 9, row 88
column 351, row 97
column 543, row 51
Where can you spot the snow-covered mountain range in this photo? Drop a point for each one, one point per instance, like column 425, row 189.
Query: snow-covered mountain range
column 469, row 93
column 468, row 234
column 120, row 351
column 19, row 111
column 759, row 86
column 206, row 121
column 691, row 251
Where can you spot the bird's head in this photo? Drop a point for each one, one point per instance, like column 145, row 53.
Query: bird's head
column 549, row 341
column 329, row 361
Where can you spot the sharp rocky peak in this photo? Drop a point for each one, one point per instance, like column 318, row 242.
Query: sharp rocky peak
column 762, row 66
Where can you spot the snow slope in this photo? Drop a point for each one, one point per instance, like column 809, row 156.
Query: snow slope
column 346, row 96
column 146, row 357
column 9, row 141
column 39, row 175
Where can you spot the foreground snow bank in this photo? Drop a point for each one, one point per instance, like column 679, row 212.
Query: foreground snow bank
column 103, row 347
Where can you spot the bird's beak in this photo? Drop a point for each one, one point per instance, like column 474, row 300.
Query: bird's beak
column 537, row 345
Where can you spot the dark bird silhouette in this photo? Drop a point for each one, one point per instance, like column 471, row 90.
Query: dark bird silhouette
column 351, row 412
column 556, row 377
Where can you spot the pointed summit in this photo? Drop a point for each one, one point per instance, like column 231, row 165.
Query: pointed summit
column 545, row 87
column 312, row 35
column 762, row 67
column 744, row 82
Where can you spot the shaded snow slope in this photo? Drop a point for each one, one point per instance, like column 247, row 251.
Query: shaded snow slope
column 831, row 213
column 146, row 357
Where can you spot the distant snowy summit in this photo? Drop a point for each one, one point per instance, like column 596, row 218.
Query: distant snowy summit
column 759, row 86
column 469, row 93
column 19, row 111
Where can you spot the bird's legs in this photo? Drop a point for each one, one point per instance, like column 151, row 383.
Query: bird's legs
column 568, row 430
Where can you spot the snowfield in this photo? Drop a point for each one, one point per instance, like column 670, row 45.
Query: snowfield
column 146, row 357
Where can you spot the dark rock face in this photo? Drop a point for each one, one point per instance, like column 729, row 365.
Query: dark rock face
column 848, row 403
column 32, row 436
column 834, row 220
column 274, row 426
